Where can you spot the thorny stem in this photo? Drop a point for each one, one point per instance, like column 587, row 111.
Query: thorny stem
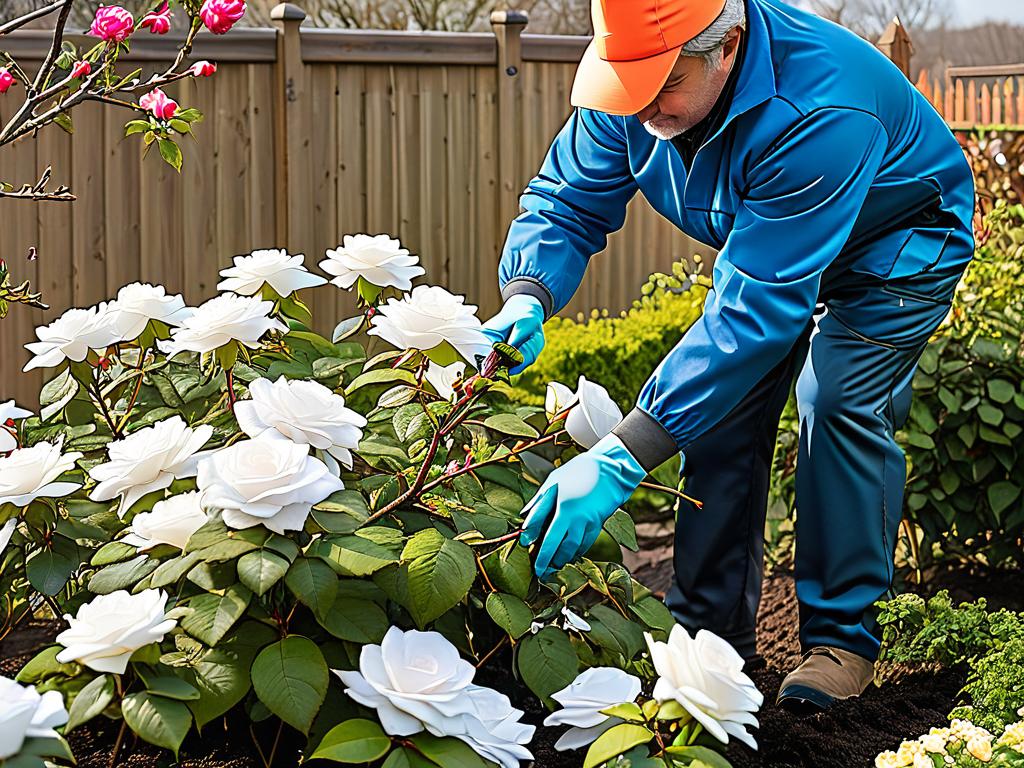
column 485, row 462
column 231, row 388
column 499, row 540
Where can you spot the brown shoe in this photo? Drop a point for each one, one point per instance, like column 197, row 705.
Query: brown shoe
column 825, row 675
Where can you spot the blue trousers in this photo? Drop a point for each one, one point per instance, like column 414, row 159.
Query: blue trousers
column 853, row 366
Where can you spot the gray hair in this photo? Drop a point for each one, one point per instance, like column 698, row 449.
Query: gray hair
column 709, row 42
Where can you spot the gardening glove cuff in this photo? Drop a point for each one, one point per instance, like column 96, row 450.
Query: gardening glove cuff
column 645, row 439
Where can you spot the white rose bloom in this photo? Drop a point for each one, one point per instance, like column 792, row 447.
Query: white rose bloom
column 557, row 398
column 171, row 521
column 593, row 415
column 9, row 412
column 416, row 680
column 221, row 320
column 148, row 460
column 28, row 473
column 304, row 412
column 705, row 675
column 443, row 377
column 582, row 700
column 273, row 266
column 266, row 481
column 72, row 335
column 24, row 713
column 110, row 628
column 428, row 317
column 379, row 259
column 138, row 303
column 6, row 532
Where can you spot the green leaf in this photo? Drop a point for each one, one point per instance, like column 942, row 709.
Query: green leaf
column 159, row 721
column 314, row 583
column 353, row 741
column 171, row 687
column 407, row 758
column 347, row 327
column 173, row 570
column 448, row 752
column 1001, row 495
column 510, row 424
column 704, row 755
column 615, row 741
column 620, row 526
column 628, row 710
column 990, row 414
column 290, row 677
column 350, row 502
column 353, row 555
column 57, row 393
column 360, row 621
column 171, row 153
column 510, row 613
column 261, row 570
column 511, row 574
column 212, row 615
column 113, row 552
column 380, row 376
column 653, row 613
column 920, row 440
column 44, row 664
column 1000, row 390
column 90, row 701
column 48, row 571
column 396, row 396
column 547, row 662
column 440, row 574
column 64, row 121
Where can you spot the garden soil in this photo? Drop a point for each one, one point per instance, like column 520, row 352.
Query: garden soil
column 849, row 734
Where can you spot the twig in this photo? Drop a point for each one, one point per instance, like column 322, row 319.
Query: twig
column 135, row 392
column 667, row 489
column 30, row 16
column 516, row 451
column 491, row 652
column 117, row 744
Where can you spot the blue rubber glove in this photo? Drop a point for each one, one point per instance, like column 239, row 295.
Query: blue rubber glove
column 578, row 497
column 519, row 324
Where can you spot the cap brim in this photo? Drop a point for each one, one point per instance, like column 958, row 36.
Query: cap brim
column 620, row 87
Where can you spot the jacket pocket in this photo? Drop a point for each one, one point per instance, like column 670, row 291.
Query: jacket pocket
column 921, row 250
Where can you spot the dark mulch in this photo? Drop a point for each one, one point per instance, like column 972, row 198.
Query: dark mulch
column 850, row 734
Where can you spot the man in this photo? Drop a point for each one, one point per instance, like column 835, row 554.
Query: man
column 841, row 206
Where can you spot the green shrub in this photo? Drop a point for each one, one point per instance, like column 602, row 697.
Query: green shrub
column 996, row 688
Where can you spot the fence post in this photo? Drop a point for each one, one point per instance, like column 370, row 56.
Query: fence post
column 895, row 43
column 291, row 147
column 508, row 27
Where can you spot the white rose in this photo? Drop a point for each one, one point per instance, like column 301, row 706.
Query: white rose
column 72, row 335
column 138, row 303
column 705, row 675
column 582, row 700
column 8, row 435
column 305, row 412
column 427, row 318
column 110, row 628
column 378, row 259
column 149, row 460
column 24, row 713
column 593, row 415
column 28, row 473
column 6, row 532
column 265, row 480
column 443, row 377
column 221, row 320
column 171, row 521
column 557, row 398
column 273, row 266
column 416, row 680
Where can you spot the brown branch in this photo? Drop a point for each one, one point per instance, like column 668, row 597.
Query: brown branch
column 30, row 16
column 58, row 36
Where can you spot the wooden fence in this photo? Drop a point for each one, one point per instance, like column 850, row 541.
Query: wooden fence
column 309, row 134
column 969, row 97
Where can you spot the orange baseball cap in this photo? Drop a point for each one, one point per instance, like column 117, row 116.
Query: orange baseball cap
column 636, row 44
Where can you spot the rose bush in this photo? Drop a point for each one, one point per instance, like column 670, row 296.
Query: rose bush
column 225, row 506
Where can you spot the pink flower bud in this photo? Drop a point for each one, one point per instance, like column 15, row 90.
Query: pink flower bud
column 159, row 103
column 6, row 80
column 219, row 16
column 81, row 69
column 159, row 21
column 202, row 69
column 112, row 23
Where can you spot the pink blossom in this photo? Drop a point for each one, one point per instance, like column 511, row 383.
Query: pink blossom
column 159, row 21
column 202, row 69
column 6, row 80
column 112, row 23
column 159, row 103
column 219, row 16
column 81, row 69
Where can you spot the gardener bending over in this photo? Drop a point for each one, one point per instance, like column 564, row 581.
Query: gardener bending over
column 841, row 205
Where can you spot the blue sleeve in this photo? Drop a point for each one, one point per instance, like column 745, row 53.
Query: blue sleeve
column 574, row 202
column 801, row 200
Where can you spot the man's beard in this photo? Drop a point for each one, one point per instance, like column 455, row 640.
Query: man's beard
column 665, row 132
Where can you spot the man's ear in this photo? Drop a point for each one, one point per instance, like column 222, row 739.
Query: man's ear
column 731, row 44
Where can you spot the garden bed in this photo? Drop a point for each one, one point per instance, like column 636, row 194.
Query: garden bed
column 852, row 733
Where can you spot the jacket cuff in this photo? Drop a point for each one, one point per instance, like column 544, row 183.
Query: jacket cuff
column 531, row 287
column 648, row 441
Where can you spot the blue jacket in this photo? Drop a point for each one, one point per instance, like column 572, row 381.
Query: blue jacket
column 829, row 164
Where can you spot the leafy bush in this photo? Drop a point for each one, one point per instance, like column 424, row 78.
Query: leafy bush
column 996, row 688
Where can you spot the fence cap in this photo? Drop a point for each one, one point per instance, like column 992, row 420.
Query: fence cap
column 509, row 16
column 287, row 12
